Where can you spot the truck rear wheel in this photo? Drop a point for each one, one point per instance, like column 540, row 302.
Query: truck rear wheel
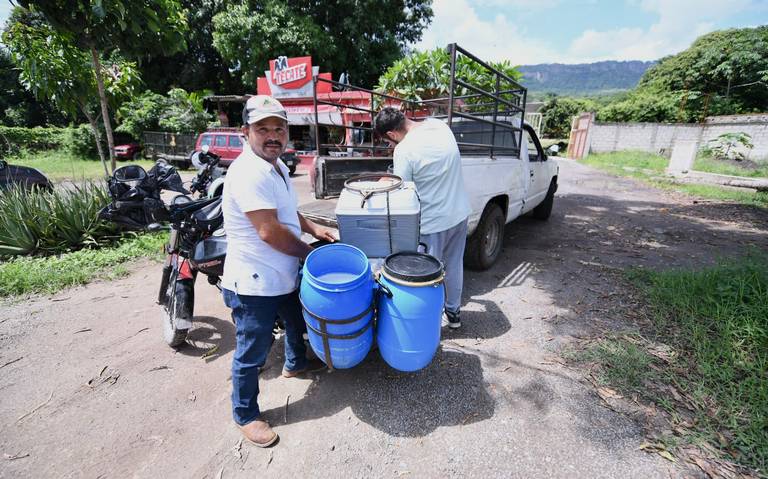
column 485, row 244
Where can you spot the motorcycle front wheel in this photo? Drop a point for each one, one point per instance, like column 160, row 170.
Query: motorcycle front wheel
column 177, row 312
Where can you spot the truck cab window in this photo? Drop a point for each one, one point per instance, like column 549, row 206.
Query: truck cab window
column 533, row 153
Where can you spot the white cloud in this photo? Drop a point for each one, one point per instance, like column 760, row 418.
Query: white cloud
column 679, row 23
column 498, row 39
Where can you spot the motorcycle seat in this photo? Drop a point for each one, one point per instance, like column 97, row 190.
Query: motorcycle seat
column 208, row 213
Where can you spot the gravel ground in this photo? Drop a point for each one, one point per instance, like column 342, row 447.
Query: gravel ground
column 90, row 390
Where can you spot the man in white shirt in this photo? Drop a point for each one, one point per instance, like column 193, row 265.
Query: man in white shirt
column 427, row 154
column 264, row 247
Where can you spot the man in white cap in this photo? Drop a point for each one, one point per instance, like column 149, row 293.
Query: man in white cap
column 260, row 279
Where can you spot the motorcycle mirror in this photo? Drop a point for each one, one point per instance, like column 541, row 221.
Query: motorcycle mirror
column 198, row 160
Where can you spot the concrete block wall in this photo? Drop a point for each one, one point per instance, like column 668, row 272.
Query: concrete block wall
column 660, row 137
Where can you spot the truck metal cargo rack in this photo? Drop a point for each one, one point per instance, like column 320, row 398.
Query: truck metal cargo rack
column 484, row 122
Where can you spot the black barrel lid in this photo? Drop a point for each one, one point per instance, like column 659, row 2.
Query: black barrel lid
column 413, row 267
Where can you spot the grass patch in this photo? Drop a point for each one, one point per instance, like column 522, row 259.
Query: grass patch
column 714, row 323
column 647, row 167
column 711, row 165
column 628, row 163
column 60, row 165
column 49, row 274
column 625, row 364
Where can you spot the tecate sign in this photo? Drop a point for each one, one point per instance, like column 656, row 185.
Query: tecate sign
column 290, row 73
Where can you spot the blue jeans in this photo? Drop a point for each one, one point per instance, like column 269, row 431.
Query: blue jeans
column 254, row 318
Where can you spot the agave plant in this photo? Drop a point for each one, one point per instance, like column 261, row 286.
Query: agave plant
column 23, row 219
column 52, row 222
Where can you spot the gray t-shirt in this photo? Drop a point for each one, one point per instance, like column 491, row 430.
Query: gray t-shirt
column 429, row 156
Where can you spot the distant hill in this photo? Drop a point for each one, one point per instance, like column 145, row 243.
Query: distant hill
column 583, row 78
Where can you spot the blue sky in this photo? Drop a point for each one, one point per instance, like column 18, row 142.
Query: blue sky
column 576, row 31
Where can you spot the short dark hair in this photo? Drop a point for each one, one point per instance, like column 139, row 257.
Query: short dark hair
column 388, row 119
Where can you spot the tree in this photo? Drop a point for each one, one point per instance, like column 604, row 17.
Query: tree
column 136, row 27
column 179, row 112
column 54, row 69
column 358, row 37
column 140, row 113
column 558, row 112
column 200, row 66
column 427, row 75
column 722, row 73
column 368, row 35
column 184, row 112
column 18, row 106
column 247, row 38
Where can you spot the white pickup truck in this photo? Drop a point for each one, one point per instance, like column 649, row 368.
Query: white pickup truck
column 500, row 188
column 506, row 171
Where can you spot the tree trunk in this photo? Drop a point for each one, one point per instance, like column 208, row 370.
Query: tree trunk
column 97, row 136
column 104, row 108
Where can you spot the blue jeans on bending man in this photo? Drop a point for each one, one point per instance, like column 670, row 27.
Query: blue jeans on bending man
column 254, row 318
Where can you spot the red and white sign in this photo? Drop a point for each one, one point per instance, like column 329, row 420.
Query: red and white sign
column 290, row 73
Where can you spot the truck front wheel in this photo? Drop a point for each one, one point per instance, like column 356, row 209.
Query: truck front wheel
column 485, row 244
column 544, row 210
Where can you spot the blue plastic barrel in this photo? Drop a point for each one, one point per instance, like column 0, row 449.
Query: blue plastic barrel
column 337, row 299
column 410, row 310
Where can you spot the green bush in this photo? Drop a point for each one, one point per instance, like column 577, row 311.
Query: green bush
column 646, row 106
column 16, row 138
column 52, row 222
column 79, row 141
column 729, row 146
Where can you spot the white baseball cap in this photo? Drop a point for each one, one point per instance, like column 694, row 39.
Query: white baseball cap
column 259, row 107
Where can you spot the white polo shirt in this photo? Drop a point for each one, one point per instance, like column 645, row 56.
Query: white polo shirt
column 253, row 267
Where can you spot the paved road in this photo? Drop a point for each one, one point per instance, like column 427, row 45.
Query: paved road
column 106, row 398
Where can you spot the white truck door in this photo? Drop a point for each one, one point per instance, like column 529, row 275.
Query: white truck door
column 538, row 179
column 486, row 178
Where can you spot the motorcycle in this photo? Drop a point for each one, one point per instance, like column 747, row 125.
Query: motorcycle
column 197, row 244
column 209, row 181
column 196, row 241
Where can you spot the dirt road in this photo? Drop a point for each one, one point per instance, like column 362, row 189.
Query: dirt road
column 88, row 389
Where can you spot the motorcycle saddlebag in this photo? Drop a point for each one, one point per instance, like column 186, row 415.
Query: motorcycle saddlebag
column 209, row 254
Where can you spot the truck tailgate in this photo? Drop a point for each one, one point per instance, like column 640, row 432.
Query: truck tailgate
column 321, row 212
column 335, row 171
